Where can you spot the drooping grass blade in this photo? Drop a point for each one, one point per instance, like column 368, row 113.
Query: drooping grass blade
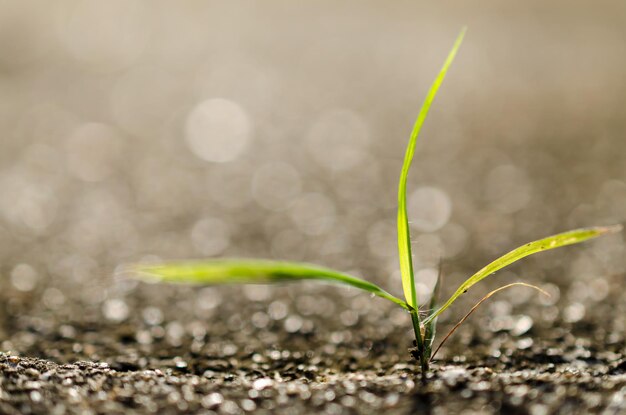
column 241, row 271
column 551, row 242
column 404, row 238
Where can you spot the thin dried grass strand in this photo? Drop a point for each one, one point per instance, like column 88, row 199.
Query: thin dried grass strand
column 482, row 300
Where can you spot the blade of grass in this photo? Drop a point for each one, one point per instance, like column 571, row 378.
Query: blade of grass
column 241, row 271
column 404, row 238
column 482, row 300
column 551, row 242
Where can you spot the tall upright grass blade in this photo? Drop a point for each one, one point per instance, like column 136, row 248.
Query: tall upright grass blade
column 241, row 271
column 404, row 238
column 482, row 300
column 551, row 242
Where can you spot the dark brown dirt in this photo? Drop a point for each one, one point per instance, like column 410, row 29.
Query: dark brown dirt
column 177, row 367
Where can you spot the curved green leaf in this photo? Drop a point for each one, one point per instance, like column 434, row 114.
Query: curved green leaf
column 551, row 242
column 241, row 271
column 404, row 238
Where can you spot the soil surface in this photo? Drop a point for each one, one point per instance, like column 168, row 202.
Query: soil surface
column 150, row 365
column 268, row 383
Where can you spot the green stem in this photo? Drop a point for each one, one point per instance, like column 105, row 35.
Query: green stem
column 420, row 342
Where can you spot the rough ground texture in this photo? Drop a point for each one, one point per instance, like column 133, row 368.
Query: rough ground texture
column 136, row 367
column 146, row 130
column 275, row 382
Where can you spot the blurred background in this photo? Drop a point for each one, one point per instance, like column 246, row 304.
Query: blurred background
column 134, row 130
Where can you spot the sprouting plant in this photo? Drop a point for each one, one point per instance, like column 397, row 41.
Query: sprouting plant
column 265, row 271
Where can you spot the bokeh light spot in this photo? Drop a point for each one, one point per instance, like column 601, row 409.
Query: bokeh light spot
column 218, row 130
column 429, row 209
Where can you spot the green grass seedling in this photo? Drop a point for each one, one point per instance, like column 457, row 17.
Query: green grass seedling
column 239, row 271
